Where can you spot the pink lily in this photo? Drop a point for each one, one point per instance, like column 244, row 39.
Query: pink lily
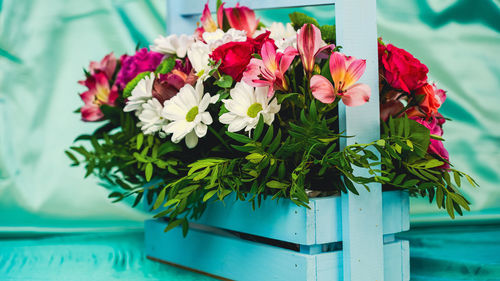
column 99, row 93
column 106, row 65
column 239, row 17
column 345, row 72
column 207, row 21
column 310, row 44
column 270, row 71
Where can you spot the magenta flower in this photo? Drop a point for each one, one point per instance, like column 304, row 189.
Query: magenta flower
column 99, row 93
column 270, row 70
column 345, row 72
column 143, row 60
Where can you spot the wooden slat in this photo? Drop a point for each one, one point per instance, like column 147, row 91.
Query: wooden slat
column 232, row 258
column 397, row 261
column 362, row 232
column 195, row 7
column 288, row 222
column 226, row 256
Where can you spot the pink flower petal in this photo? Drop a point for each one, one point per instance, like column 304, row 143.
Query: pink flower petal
column 308, row 44
column 287, row 58
column 206, row 20
column 268, row 54
column 356, row 95
column 354, row 72
column 322, row 89
column 91, row 112
column 338, row 70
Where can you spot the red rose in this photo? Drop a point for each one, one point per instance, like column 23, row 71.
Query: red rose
column 431, row 101
column 259, row 41
column 402, row 70
column 234, row 57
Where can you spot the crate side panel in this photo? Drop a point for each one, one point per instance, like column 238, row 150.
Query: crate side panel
column 329, row 266
column 281, row 220
column 328, row 220
column 395, row 211
column 395, row 216
column 226, row 256
column 397, row 261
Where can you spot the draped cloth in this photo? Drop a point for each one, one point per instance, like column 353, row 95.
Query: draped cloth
column 43, row 46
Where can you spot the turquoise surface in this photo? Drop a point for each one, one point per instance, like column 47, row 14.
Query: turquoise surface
column 437, row 254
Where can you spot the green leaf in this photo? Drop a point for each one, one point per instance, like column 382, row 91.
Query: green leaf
column 140, row 139
column 460, row 200
column 149, row 171
column 276, row 184
column 254, row 157
column 127, row 92
column 350, row 186
column 72, row 157
column 166, row 65
column 268, row 137
column 433, row 163
column 439, row 197
column 202, row 174
column 225, row 81
column 239, row 137
column 159, row 200
column 172, row 225
column 456, row 177
column 276, row 142
column 282, row 97
column 209, row 195
column 449, row 207
column 259, row 128
column 281, row 170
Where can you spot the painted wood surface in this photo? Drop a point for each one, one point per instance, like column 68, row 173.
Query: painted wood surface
column 231, row 257
column 285, row 221
column 356, row 29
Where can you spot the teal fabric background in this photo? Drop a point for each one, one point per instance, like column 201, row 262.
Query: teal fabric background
column 44, row 44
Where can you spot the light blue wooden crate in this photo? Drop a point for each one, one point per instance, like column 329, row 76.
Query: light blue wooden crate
column 364, row 224
column 209, row 246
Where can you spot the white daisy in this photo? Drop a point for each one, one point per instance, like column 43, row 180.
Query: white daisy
column 198, row 54
column 151, row 117
column 187, row 114
column 283, row 36
column 172, row 44
column 141, row 94
column 219, row 37
column 246, row 105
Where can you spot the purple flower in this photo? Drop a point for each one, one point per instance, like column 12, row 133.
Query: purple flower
column 143, row 60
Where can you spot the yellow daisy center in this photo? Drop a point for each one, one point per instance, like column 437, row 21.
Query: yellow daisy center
column 192, row 114
column 254, row 109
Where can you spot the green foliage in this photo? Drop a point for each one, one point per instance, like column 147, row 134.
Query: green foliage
column 299, row 19
column 127, row 92
column 327, row 31
column 165, row 66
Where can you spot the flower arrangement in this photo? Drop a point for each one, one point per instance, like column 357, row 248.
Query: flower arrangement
column 243, row 110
